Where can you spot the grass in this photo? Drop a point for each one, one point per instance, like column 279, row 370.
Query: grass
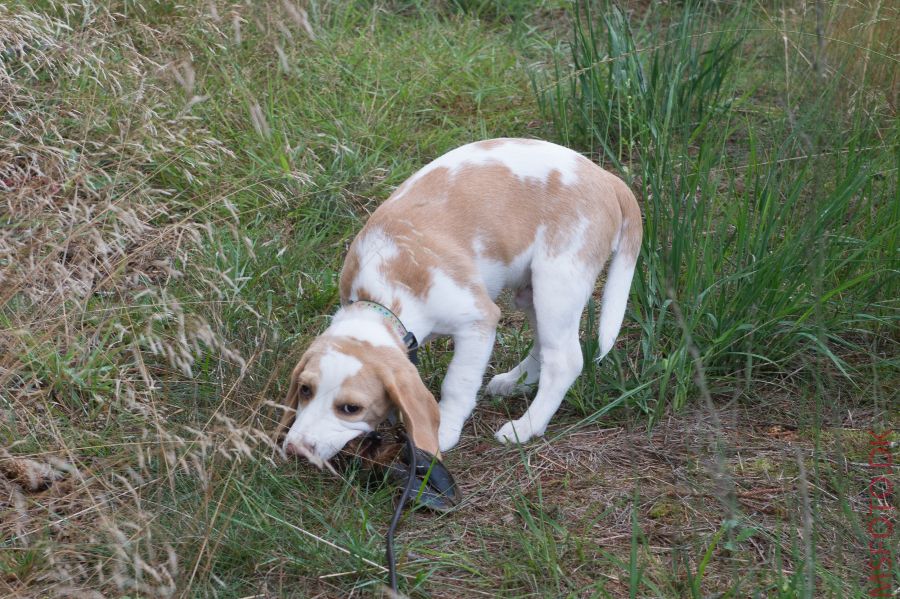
column 772, row 240
column 180, row 182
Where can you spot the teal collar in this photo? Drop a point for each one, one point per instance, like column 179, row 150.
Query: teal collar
column 409, row 340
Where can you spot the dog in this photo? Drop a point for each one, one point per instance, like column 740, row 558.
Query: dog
column 519, row 214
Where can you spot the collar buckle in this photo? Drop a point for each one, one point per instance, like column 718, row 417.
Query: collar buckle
column 412, row 347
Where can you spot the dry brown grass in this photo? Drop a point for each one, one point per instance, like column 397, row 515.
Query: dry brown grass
column 92, row 244
column 864, row 39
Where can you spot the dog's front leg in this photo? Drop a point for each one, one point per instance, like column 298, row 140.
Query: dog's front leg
column 472, row 348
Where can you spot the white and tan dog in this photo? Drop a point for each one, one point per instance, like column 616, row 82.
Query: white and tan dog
column 505, row 213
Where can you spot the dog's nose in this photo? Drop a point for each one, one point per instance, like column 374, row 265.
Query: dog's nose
column 291, row 449
column 300, row 448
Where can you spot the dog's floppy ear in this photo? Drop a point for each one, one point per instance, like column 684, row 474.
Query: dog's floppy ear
column 291, row 403
column 417, row 405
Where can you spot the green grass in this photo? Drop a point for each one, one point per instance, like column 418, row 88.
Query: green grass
column 780, row 249
column 181, row 182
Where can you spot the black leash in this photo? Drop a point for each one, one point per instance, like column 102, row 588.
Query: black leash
column 404, row 497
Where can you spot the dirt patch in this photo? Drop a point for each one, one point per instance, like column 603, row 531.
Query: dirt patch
column 678, row 489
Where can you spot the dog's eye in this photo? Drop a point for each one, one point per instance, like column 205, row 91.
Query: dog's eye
column 349, row 408
column 305, row 391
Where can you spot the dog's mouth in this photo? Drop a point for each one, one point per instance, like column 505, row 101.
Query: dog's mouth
column 388, row 454
column 316, row 460
column 370, row 451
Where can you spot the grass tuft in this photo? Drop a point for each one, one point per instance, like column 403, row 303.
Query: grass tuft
column 781, row 252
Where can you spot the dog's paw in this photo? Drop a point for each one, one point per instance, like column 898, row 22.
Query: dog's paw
column 504, row 385
column 515, row 431
column 448, row 437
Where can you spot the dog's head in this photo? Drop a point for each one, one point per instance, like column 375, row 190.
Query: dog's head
column 344, row 387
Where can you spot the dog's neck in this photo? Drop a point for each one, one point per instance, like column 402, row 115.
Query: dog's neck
column 393, row 322
column 359, row 314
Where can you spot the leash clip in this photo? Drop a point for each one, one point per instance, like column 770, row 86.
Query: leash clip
column 412, row 347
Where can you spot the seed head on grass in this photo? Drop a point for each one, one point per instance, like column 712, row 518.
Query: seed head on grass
column 258, row 118
column 299, row 16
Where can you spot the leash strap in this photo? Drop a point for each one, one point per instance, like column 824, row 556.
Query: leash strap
column 398, row 511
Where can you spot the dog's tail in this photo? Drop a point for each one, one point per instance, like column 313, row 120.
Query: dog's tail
column 621, row 268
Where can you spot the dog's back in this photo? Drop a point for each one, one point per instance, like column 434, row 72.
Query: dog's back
column 489, row 209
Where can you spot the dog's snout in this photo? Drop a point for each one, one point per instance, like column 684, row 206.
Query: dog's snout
column 302, row 448
column 291, row 449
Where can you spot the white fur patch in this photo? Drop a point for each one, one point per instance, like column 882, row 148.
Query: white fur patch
column 363, row 325
column 449, row 302
column 373, row 249
column 335, row 369
column 615, row 298
column 498, row 275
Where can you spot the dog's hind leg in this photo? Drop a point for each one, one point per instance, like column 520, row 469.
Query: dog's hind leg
column 561, row 289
